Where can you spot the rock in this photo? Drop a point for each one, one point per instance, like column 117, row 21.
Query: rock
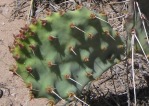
column 1, row 93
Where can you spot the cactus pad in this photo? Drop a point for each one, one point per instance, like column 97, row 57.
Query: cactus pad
column 56, row 57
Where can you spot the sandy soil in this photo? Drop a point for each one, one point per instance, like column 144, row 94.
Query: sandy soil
column 14, row 91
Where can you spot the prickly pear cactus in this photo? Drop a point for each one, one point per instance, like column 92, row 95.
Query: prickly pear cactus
column 58, row 56
column 136, row 27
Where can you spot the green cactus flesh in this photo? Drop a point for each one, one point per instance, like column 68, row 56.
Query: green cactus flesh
column 58, row 56
column 136, row 25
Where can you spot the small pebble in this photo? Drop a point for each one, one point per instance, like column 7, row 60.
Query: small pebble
column 1, row 93
column 13, row 94
column 3, row 23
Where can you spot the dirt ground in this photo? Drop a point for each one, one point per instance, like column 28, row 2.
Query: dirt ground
column 14, row 91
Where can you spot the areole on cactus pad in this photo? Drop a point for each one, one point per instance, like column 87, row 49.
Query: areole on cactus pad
column 58, row 56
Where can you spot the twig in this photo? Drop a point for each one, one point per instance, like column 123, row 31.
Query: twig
column 30, row 10
column 119, row 2
column 126, row 65
column 133, row 73
column 118, row 103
